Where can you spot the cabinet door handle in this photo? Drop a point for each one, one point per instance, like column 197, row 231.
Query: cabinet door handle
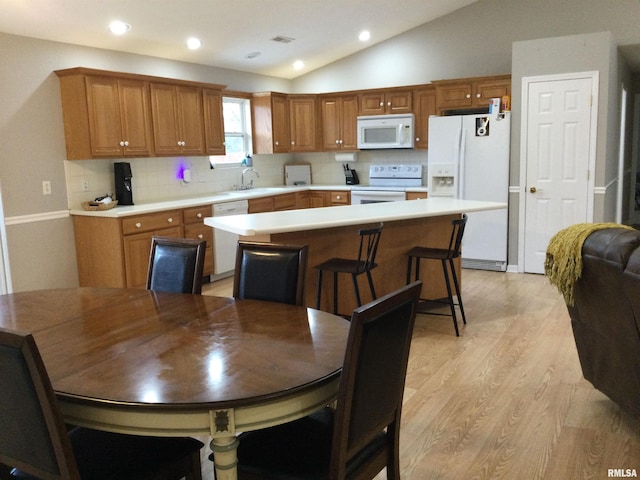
column 122, row 143
column 138, row 225
column 382, row 104
column 338, row 197
column 468, row 95
column 170, row 220
column 388, row 104
column 199, row 215
column 200, row 236
column 477, row 95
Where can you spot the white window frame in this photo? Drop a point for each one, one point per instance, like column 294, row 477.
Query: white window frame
column 233, row 160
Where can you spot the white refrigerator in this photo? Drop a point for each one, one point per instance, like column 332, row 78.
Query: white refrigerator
column 468, row 158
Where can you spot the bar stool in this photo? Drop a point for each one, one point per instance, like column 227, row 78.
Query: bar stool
column 366, row 261
column 446, row 256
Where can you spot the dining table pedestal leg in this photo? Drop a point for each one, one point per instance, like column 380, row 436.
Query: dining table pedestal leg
column 225, row 457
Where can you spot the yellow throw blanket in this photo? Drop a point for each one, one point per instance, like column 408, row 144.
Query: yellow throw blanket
column 563, row 262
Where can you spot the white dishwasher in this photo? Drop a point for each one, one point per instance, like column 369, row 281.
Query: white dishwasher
column 225, row 243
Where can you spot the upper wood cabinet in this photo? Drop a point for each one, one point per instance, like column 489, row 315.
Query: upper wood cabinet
column 338, row 118
column 424, row 102
column 270, row 123
column 302, row 123
column 380, row 102
column 178, row 120
column 112, row 114
column 470, row 92
column 105, row 116
column 213, row 122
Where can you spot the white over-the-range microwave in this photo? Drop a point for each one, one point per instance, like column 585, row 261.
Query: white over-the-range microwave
column 385, row 131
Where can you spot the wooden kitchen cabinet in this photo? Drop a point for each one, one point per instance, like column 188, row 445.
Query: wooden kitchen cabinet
column 380, row 102
column 302, row 123
column 137, row 233
column 178, row 119
column 270, row 123
column 195, row 228
column 318, row 199
column 114, row 252
column 340, row 198
column 416, row 195
column 262, row 204
column 105, row 116
column 424, row 106
column 470, row 93
column 338, row 117
column 213, row 122
column 287, row 201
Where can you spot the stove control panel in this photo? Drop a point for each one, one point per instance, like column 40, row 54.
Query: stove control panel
column 396, row 175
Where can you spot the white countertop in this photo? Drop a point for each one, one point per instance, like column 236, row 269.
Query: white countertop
column 218, row 197
column 329, row 217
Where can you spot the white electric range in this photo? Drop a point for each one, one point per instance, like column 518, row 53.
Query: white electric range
column 387, row 183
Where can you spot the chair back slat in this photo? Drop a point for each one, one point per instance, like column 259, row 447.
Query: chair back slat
column 457, row 232
column 369, row 240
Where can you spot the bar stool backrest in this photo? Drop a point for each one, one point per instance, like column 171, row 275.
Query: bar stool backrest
column 369, row 240
column 455, row 242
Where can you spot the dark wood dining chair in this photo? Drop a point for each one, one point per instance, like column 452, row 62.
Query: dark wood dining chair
column 445, row 256
column 269, row 271
column 35, row 443
column 361, row 436
column 363, row 263
column 176, row 265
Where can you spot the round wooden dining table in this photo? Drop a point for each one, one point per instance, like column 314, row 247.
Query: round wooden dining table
column 166, row 364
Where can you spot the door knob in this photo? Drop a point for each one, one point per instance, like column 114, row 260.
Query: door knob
column 532, row 189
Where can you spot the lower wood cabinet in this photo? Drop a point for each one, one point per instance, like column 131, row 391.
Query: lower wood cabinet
column 415, row 195
column 114, row 252
column 195, row 228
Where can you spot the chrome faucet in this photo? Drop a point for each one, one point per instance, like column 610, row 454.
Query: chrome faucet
column 246, row 170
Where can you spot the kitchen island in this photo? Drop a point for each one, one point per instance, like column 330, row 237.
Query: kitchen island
column 332, row 232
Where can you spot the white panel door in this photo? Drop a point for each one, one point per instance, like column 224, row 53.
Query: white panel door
column 558, row 140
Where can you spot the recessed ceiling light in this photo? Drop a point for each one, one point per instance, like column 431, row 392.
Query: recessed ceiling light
column 298, row 65
column 364, row 36
column 194, row 43
column 118, row 27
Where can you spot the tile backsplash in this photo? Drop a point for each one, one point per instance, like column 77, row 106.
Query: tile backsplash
column 157, row 179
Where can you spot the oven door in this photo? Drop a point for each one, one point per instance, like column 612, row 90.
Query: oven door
column 359, row 197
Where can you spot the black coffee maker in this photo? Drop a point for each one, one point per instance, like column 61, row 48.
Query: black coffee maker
column 122, row 171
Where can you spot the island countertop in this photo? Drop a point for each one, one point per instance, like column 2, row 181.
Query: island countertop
column 328, row 217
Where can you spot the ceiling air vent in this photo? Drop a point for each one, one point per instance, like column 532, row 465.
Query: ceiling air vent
column 283, row 39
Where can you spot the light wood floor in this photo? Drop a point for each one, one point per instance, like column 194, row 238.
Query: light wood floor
column 505, row 400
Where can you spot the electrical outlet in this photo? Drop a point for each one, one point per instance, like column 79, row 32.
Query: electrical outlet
column 46, row 187
column 84, row 185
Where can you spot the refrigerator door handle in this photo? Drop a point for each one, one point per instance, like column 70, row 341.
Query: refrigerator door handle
column 461, row 161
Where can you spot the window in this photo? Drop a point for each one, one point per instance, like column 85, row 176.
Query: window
column 237, row 131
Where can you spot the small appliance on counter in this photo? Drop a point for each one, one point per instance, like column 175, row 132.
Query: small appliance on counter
column 297, row 174
column 351, row 177
column 122, row 172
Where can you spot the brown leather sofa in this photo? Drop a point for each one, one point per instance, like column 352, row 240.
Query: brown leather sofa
column 606, row 315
